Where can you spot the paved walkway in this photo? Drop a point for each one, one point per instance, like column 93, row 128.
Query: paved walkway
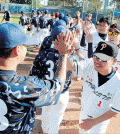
column 72, row 112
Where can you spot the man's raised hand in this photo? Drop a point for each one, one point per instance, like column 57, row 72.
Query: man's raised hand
column 63, row 43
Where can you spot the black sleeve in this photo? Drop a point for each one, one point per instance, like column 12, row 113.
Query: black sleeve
column 90, row 50
column 82, row 42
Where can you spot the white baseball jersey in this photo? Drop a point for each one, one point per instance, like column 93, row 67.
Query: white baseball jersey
column 96, row 40
column 117, row 65
column 80, row 65
column 93, row 29
column 96, row 100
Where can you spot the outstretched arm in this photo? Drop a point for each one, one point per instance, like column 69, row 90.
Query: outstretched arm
column 89, row 123
column 76, row 44
column 63, row 45
column 89, row 39
column 2, row 20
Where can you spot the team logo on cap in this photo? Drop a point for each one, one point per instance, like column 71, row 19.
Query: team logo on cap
column 103, row 46
column 98, row 22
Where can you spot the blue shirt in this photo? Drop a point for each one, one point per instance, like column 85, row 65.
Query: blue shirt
column 35, row 21
column 18, row 95
column 46, row 63
column 43, row 21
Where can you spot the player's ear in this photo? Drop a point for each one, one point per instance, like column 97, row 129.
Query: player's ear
column 16, row 50
column 114, row 61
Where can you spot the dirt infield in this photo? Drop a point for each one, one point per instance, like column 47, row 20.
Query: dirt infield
column 73, row 109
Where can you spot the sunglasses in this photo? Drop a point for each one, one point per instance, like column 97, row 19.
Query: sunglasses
column 113, row 33
column 99, row 58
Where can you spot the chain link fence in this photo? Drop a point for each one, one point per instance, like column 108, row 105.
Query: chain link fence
column 54, row 6
column 15, row 8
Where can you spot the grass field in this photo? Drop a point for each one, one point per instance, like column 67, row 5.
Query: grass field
column 14, row 19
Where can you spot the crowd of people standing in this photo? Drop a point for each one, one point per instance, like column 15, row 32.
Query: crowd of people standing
column 66, row 45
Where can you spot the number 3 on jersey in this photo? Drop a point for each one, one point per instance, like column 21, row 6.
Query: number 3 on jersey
column 3, row 120
column 50, row 69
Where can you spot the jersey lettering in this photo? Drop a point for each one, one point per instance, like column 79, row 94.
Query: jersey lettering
column 25, row 87
column 50, row 69
column 4, row 123
column 100, row 102
column 116, row 68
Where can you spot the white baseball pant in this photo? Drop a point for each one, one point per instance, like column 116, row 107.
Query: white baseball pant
column 52, row 115
column 25, row 28
column 32, row 30
column 37, row 34
column 43, row 33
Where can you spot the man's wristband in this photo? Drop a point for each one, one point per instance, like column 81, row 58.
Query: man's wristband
column 77, row 49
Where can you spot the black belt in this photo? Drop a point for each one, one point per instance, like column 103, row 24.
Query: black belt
column 90, row 116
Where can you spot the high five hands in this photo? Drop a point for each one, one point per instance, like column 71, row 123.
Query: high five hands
column 64, row 42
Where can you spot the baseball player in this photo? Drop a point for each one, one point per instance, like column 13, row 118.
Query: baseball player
column 52, row 16
column 52, row 21
column 43, row 23
column 32, row 28
column 114, row 36
column 34, row 22
column 45, row 66
column 77, row 14
column 61, row 16
column 7, row 15
column 19, row 93
column 103, row 26
column 59, row 22
column 57, row 15
column 67, row 20
column 89, row 18
column 24, row 21
column 100, row 95
column 77, row 28
column 92, row 28
column 101, row 34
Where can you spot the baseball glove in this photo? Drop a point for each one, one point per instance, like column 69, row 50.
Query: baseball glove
column 29, row 29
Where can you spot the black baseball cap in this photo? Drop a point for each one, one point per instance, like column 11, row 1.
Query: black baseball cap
column 22, row 12
column 106, row 50
column 103, row 19
column 46, row 11
column 33, row 10
column 115, row 26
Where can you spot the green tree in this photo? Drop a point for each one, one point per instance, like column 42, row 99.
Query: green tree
column 2, row 1
column 63, row 2
column 96, row 5
column 21, row 1
column 117, row 4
